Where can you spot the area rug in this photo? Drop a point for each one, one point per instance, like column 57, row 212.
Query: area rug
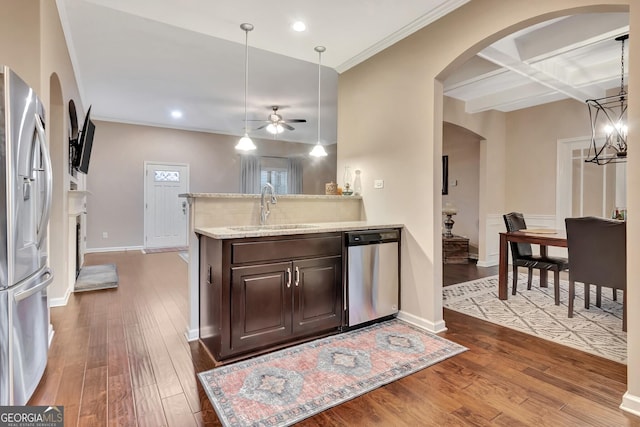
column 286, row 386
column 595, row 330
column 95, row 277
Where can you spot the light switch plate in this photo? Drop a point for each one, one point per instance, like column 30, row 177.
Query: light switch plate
column 378, row 183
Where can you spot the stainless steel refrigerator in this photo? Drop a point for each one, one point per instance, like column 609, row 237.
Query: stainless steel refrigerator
column 25, row 202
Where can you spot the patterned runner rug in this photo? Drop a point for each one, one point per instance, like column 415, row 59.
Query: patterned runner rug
column 595, row 330
column 286, row 386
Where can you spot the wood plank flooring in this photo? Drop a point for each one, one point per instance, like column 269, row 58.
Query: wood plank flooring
column 120, row 358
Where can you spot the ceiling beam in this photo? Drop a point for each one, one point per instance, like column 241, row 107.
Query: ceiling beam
column 517, row 66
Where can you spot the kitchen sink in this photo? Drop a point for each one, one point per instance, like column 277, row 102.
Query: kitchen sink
column 272, row 227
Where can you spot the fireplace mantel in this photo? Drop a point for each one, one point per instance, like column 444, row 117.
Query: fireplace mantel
column 77, row 202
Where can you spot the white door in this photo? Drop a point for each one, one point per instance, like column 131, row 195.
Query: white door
column 165, row 218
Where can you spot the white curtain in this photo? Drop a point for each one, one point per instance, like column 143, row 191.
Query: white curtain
column 294, row 176
column 249, row 174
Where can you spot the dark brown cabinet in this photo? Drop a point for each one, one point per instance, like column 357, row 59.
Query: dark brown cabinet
column 258, row 293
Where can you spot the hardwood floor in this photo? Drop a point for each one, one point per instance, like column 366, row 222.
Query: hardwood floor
column 120, row 358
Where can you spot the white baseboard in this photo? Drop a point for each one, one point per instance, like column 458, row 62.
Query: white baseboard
column 60, row 302
column 631, row 404
column 490, row 263
column 114, row 249
column 421, row 323
column 192, row 334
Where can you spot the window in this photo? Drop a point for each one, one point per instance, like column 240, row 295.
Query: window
column 274, row 171
column 166, row 176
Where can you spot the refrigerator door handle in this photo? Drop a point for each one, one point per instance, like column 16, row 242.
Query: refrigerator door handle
column 19, row 296
column 46, row 210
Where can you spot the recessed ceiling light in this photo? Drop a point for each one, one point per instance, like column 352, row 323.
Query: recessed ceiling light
column 176, row 114
column 299, row 26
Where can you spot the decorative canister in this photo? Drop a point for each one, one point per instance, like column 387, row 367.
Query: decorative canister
column 331, row 189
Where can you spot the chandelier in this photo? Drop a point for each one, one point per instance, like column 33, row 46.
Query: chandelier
column 609, row 114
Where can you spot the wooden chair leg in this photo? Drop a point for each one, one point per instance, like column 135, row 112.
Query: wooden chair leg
column 615, row 294
column 515, row 280
column 598, row 296
column 572, row 292
column 587, row 296
column 556, row 286
column 529, row 277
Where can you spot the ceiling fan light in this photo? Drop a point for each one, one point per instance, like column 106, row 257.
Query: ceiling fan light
column 318, row 151
column 275, row 129
column 245, row 144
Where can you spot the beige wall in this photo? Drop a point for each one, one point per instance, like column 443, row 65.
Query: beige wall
column 532, row 136
column 491, row 127
column 632, row 397
column 20, row 40
column 408, row 74
column 115, row 178
column 463, row 149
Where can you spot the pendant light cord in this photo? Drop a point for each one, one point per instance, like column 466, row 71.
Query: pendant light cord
column 246, row 78
column 319, row 83
column 622, row 69
column 246, row 27
column 319, row 49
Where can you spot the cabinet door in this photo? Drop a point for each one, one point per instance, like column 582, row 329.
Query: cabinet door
column 260, row 305
column 317, row 294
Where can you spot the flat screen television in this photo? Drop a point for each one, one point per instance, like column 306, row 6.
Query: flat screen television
column 85, row 143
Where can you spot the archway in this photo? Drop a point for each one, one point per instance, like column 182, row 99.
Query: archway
column 408, row 76
column 58, row 225
column 631, row 399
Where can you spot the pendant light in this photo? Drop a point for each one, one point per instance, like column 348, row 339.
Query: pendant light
column 245, row 143
column 318, row 150
column 610, row 113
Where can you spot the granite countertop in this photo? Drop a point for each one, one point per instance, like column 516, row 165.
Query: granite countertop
column 257, row 196
column 241, row 231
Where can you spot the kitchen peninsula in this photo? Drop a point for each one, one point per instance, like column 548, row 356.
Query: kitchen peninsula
column 307, row 230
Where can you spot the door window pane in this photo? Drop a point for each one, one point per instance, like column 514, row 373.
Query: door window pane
column 166, row 176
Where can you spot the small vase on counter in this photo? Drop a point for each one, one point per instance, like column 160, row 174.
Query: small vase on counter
column 347, row 190
column 357, row 184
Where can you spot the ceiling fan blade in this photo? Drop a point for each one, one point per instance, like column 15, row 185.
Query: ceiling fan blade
column 262, row 127
column 295, row 121
column 286, row 126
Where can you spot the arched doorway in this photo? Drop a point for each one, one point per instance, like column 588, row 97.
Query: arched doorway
column 409, row 76
column 58, row 225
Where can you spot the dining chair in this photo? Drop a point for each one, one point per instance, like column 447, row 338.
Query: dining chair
column 522, row 256
column 597, row 256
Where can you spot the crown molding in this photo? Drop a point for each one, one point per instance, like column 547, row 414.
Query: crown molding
column 405, row 31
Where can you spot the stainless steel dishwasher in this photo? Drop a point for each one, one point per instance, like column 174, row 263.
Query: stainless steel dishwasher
column 373, row 276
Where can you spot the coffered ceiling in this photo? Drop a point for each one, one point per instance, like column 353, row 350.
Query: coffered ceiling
column 138, row 60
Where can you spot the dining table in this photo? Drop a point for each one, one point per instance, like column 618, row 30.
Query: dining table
column 539, row 236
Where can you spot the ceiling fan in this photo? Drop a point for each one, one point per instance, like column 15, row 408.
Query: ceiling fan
column 275, row 124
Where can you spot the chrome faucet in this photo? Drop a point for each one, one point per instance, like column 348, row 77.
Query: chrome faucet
column 264, row 205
